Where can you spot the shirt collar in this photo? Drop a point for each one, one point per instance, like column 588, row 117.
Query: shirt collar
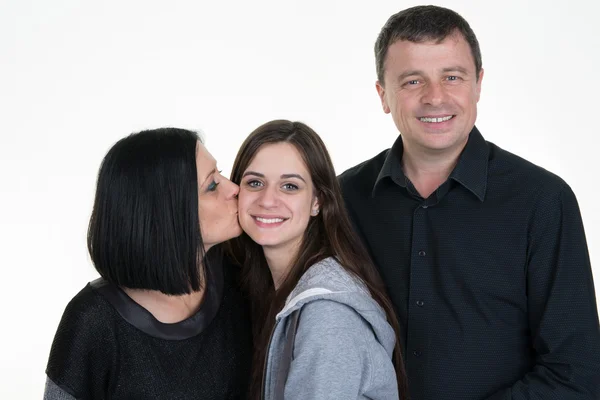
column 470, row 171
column 143, row 320
column 392, row 166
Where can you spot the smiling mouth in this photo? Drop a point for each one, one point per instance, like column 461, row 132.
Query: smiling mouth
column 269, row 220
column 434, row 120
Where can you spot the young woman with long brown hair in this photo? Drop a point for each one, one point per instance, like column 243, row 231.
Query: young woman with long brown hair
column 323, row 325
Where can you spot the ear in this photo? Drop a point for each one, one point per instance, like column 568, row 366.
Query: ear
column 479, row 84
column 381, row 93
column 314, row 209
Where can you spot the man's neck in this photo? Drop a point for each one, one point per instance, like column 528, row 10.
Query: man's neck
column 428, row 170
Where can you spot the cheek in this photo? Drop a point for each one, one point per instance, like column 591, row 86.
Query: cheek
column 302, row 209
column 403, row 102
column 212, row 212
column 467, row 96
column 205, row 212
column 244, row 201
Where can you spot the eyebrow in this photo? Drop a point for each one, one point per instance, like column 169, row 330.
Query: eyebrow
column 409, row 73
column 283, row 176
column 413, row 72
column 456, row 69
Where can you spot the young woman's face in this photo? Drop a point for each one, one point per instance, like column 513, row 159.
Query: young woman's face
column 276, row 197
column 217, row 201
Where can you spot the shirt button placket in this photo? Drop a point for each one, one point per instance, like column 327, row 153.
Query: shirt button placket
column 417, row 332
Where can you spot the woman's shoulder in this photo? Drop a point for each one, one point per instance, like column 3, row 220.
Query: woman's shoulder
column 81, row 349
column 88, row 308
column 330, row 274
column 334, row 296
column 86, row 317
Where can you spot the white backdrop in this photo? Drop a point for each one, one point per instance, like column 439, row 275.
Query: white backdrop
column 75, row 76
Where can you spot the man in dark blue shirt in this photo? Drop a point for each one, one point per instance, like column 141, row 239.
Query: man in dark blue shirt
column 483, row 253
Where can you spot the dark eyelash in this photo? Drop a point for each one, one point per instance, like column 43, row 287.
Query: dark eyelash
column 212, row 186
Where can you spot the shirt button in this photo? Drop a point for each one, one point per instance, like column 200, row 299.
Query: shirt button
column 417, row 353
column 422, row 253
column 420, row 303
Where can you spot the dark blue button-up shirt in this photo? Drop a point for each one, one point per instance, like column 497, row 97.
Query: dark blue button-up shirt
column 490, row 276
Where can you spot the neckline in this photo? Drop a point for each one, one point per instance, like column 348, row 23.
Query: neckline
column 143, row 320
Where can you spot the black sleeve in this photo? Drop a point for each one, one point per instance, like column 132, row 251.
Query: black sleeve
column 83, row 353
column 563, row 316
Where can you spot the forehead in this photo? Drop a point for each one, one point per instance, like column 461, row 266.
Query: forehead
column 205, row 162
column 279, row 158
column 452, row 51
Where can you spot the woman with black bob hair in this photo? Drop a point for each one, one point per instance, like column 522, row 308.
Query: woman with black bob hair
column 165, row 320
column 323, row 325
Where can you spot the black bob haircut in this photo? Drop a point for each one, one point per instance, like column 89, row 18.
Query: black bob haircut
column 144, row 231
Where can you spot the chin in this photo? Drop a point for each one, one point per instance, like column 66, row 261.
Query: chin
column 440, row 141
column 265, row 241
column 260, row 241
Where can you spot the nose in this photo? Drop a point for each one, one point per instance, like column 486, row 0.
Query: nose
column 231, row 189
column 433, row 94
column 268, row 197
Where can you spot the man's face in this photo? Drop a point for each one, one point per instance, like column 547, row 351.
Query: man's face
column 431, row 89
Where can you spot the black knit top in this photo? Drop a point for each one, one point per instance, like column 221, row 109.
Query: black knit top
column 109, row 347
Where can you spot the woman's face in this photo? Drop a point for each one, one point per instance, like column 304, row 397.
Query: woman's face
column 217, row 201
column 276, row 197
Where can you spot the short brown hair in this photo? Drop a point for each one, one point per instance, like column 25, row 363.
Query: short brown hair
column 420, row 24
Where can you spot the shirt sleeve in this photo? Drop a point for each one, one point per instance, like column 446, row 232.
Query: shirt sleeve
column 335, row 355
column 563, row 316
column 82, row 352
column 54, row 392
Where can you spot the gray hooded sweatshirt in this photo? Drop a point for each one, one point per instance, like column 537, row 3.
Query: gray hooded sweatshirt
column 331, row 341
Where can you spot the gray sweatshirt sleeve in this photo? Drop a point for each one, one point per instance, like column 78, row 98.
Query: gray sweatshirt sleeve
column 336, row 356
column 54, row 392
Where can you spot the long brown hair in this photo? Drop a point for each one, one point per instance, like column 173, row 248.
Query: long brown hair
column 329, row 234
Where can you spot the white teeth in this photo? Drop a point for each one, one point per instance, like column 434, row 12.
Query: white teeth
column 442, row 119
column 269, row 220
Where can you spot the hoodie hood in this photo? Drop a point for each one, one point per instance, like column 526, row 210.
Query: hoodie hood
column 328, row 280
